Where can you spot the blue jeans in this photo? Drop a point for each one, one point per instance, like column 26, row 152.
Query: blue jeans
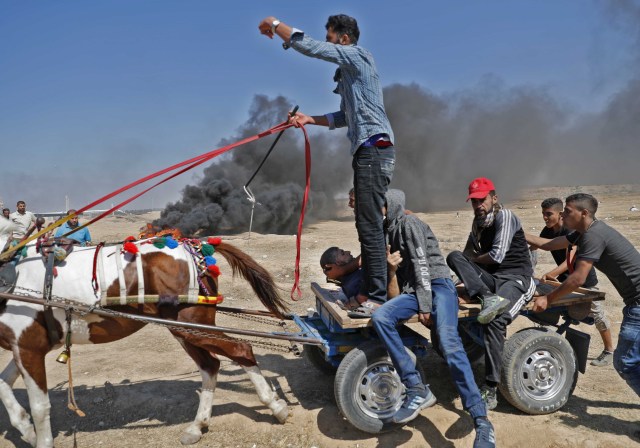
column 445, row 316
column 372, row 174
column 626, row 357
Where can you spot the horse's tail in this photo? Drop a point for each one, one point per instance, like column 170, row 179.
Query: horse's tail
column 257, row 276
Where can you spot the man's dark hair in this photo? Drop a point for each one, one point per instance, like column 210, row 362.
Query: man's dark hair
column 555, row 203
column 343, row 24
column 5, row 210
column 584, row 201
column 329, row 256
column 21, row 202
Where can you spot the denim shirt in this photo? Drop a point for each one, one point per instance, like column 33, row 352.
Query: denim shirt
column 361, row 105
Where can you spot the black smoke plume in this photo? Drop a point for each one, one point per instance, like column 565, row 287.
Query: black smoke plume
column 217, row 204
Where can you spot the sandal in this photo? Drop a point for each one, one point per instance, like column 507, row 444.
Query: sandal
column 365, row 310
column 347, row 305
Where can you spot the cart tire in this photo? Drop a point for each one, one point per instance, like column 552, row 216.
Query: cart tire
column 315, row 356
column 367, row 388
column 539, row 371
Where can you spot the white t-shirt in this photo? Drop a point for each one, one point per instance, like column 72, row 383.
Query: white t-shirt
column 23, row 222
column 6, row 227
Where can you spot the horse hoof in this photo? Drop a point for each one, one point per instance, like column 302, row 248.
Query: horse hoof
column 30, row 438
column 189, row 438
column 281, row 411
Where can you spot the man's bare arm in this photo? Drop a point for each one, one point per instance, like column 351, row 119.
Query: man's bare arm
column 573, row 282
column 393, row 261
column 560, row 242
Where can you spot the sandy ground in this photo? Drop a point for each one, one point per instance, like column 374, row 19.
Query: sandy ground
column 141, row 391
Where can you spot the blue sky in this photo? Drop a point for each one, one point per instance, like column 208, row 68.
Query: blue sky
column 95, row 94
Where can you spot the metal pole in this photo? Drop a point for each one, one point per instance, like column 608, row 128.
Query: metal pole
column 157, row 320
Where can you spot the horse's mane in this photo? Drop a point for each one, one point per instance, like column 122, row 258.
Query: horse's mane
column 258, row 277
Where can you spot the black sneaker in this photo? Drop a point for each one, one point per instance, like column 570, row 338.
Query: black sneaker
column 492, row 306
column 417, row 399
column 485, row 436
column 604, row 359
column 489, row 396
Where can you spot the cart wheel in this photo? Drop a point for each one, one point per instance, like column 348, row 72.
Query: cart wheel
column 367, row 388
column 315, row 356
column 539, row 371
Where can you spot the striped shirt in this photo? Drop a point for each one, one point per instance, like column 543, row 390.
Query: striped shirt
column 361, row 105
column 505, row 243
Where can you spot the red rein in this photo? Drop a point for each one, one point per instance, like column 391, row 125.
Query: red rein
column 186, row 166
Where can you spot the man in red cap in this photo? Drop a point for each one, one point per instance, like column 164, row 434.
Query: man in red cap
column 495, row 268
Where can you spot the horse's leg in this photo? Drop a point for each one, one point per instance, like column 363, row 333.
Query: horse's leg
column 32, row 368
column 209, row 366
column 18, row 416
column 237, row 351
column 241, row 353
column 266, row 394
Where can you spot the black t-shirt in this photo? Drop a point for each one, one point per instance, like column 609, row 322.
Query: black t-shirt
column 560, row 256
column 613, row 255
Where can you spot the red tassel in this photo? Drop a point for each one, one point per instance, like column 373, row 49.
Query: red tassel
column 214, row 270
column 130, row 247
column 214, row 240
column 129, row 239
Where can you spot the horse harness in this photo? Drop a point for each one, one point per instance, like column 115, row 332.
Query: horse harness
column 52, row 251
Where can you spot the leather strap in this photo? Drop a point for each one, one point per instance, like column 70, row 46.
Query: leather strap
column 193, row 277
column 121, row 281
column 101, row 278
column 49, row 320
column 140, row 278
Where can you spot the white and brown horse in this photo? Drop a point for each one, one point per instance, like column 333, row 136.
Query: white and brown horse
column 166, row 273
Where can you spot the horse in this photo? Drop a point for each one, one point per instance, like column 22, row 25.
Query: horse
column 166, row 272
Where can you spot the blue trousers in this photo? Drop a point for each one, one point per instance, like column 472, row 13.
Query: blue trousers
column 445, row 315
column 626, row 357
column 372, row 172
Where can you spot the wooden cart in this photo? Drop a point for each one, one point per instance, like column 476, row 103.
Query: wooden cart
column 540, row 363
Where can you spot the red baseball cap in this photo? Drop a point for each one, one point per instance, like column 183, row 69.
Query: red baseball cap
column 479, row 188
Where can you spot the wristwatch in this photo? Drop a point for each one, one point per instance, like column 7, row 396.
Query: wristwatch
column 274, row 25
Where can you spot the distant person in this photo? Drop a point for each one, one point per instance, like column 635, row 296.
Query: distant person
column 23, row 220
column 6, row 230
column 82, row 236
column 369, row 131
column 421, row 284
column 495, row 268
column 554, row 227
column 6, row 213
column 612, row 254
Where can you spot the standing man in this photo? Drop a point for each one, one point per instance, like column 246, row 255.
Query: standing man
column 82, row 236
column 612, row 254
column 362, row 112
column 554, row 227
column 23, row 219
column 495, row 268
column 420, row 283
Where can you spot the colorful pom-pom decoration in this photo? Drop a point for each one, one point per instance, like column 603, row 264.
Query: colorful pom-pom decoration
column 171, row 243
column 207, row 250
column 209, row 260
column 160, row 242
column 215, row 240
column 130, row 247
column 214, row 270
column 129, row 239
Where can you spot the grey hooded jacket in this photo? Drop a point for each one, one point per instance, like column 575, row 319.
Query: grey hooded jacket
column 422, row 260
